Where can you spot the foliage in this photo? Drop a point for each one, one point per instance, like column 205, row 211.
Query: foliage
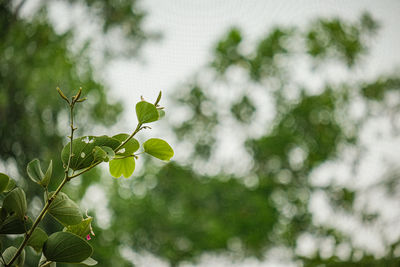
column 291, row 130
column 69, row 245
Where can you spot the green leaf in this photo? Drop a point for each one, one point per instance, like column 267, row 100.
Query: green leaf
column 158, row 148
column 13, row 224
column 10, row 186
column 44, row 262
column 66, row 247
column 15, row 201
column 9, row 253
column 34, row 171
column 37, row 240
column 146, row 112
column 47, row 176
column 89, row 262
column 82, row 229
column 103, row 153
column 124, row 166
column 83, row 150
column 130, row 147
column 4, row 179
column 65, row 210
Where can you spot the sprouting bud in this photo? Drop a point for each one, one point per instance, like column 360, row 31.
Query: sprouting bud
column 76, row 97
column 158, row 99
column 62, row 95
column 81, row 100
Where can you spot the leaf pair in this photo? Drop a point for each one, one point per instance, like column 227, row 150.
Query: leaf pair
column 36, row 174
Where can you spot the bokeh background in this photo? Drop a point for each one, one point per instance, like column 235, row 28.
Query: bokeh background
column 284, row 118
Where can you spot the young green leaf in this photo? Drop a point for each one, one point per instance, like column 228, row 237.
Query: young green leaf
column 82, row 229
column 4, row 179
column 47, row 176
column 35, row 171
column 37, row 240
column 15, row 202
column 65, row 210
column 146, row 112
column 9, row 253
column 66, row 247
column 158, row 148
column 130, row 147
column 83, row 150
column 122, row 166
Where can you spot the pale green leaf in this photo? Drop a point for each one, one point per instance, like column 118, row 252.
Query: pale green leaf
column 146, row 112
column 130, row 147
column 124, row 166
column 89, row 262
column 158, row 148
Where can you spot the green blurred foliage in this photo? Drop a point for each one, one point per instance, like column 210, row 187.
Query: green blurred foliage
column 178, row 214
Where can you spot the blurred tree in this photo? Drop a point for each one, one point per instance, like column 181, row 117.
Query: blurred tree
column 292, row 128
column 35, row 59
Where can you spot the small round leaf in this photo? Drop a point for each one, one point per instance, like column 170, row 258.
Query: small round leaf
column 124, row 166
column 158, row 148
column 146, row 112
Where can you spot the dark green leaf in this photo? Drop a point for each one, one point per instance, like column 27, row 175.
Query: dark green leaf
column 9, row 253
column 65, row 210
column 66, row 247
column 124, row 167
column 82, row 229
column 15, row 201
column 146, row 112
column 83, row 150
column 34, row 171
column 37, row 239
column 13, row 224
column 158, row 148
column 4, row 179
column 103, row 153
column 129, row 148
